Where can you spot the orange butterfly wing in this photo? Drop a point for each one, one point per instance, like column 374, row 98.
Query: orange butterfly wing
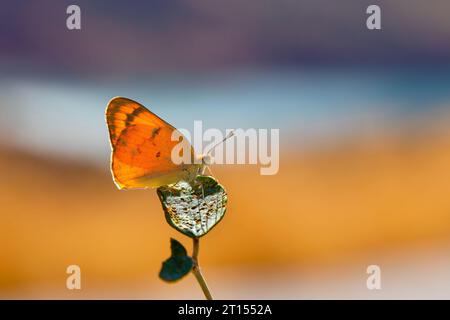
column 141, row 147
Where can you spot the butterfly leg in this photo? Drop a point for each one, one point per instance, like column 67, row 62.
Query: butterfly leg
column 203, row 192
column 210, row 171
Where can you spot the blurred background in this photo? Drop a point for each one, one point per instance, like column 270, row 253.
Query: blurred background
column 364, row 158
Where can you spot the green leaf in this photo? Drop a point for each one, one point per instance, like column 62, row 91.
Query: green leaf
column 177, row 249
column 194, row 208
column 178, row 265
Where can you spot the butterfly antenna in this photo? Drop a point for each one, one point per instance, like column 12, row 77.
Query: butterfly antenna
column 229, row 135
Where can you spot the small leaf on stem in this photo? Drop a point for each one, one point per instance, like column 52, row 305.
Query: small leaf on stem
column 178, row 265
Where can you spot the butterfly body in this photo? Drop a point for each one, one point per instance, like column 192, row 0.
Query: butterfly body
column 142, row 145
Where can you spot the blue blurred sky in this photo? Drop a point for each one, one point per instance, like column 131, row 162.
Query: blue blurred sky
column 67, row 117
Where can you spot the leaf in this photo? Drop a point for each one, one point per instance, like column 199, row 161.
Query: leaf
column 194, row 208
column 178, row 265
column 177, row 249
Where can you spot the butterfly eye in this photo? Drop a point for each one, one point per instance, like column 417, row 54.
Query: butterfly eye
column 207, row 159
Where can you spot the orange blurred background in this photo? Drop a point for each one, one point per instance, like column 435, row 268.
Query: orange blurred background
column 364, row 149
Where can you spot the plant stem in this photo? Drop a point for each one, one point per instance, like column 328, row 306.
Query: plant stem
column 197, row 272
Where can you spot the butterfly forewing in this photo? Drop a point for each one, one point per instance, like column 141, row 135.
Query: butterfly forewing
column 141, row 147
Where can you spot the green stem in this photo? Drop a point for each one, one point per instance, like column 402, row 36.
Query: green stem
column 197, row 272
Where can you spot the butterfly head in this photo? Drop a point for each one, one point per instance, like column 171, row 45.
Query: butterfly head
column 204, row 160
column 207, row 159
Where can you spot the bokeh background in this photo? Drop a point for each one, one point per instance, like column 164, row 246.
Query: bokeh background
column 364, row 159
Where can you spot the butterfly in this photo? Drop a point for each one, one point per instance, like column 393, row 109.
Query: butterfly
column 142, row 144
